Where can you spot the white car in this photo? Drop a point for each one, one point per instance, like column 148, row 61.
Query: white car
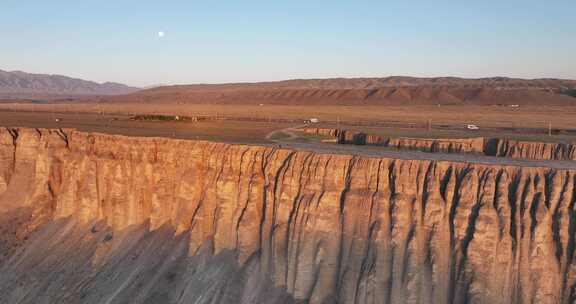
column 472, row 127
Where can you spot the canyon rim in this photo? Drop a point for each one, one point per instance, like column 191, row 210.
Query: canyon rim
column 95, row 218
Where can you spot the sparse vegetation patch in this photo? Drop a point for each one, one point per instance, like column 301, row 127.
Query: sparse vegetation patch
column 163, row 118
column 570, row 92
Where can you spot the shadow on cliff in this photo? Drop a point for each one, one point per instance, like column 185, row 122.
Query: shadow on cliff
column 65, row 261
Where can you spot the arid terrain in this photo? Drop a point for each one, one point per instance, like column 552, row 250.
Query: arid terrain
column 18, row 84
column 528, row 122
column 306, row 191
column 100, row 218
column 367, row 91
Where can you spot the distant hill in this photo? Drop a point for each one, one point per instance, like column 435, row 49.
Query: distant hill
column 367, row 91
column 20, row 84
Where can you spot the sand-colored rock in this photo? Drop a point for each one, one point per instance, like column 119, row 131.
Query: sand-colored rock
column 161, row 220
column 449, row 145
column 487, row 146
column 531, row 150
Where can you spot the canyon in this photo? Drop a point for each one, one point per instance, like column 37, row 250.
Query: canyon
column 94, row 218
column 499, row 147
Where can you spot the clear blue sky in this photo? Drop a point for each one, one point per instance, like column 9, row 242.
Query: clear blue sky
column 223, row 41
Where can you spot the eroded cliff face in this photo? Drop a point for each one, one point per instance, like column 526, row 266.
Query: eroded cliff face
column 488, row 146
column 150, row 219
column 531, row 150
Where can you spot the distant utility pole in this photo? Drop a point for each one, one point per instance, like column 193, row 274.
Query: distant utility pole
column 338, row 122
column 549, row 128
column 429, row 125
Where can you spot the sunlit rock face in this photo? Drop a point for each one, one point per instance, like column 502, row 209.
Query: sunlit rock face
column 92, row 218
column 533, row 150
column 500, row 147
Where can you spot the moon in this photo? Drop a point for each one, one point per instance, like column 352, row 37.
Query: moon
column 160, row 34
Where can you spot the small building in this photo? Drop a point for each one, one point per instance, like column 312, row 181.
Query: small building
column 314, row 120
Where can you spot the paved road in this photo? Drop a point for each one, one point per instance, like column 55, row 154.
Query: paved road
column 375, row 151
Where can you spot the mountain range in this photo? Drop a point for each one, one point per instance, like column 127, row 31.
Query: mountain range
column 397, row 90
column 17, row 84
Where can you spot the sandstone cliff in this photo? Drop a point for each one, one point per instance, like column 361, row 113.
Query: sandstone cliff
column 92, row 218
column 487, row 146
column 531, row 150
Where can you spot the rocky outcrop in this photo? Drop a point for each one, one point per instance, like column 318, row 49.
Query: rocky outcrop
column 459, row 145
column 329, row 132
column 448, row 145
column 113, row 219
column 487, row 146
column 530, row 150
